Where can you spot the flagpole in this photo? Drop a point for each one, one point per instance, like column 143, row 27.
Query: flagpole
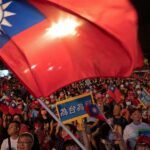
column 61, row 124
column 108, row 122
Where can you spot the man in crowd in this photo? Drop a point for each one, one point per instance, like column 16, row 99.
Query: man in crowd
column 130, row 134
column 25, row 141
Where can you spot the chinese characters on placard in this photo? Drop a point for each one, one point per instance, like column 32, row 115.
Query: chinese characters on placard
column 72, row 109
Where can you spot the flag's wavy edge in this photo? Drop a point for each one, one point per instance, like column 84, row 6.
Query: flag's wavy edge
column 34, row 77
column 137, row 53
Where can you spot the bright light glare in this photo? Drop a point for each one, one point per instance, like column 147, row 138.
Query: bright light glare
column 50, row 68
column 4, row 73
column 26, row 70
column 63, row 27
column 33, row 66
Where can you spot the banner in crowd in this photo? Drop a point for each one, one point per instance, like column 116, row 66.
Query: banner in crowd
column 144, row 97
column 144, row 131
column 74, row 108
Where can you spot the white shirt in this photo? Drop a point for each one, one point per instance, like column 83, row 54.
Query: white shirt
column 131, row 132
column 5, row 144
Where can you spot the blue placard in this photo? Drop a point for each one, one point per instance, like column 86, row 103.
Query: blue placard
column 145, row 97
column 73, row 108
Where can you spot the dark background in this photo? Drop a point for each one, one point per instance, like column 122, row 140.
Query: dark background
column 143, row 9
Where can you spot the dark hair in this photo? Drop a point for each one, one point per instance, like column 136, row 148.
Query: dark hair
column 72, row 128
column 27, row 134
column 20, row 116
column 16, row 122
column 70, row 143
column 104, row 130
column 134, row 109
column 108, row 115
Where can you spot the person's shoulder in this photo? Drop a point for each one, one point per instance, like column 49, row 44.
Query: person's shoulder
column 145, row 124
column 5, row 140
column 130, row 125
column 4, row 143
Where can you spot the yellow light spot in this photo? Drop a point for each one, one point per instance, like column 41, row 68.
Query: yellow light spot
column 63, row 28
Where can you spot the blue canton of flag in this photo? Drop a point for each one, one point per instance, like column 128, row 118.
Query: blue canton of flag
column 15, row 17
column 92, row 110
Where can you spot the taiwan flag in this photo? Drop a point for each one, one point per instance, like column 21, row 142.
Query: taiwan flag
column 93, row 111
column 115, row 93
column 48, row 44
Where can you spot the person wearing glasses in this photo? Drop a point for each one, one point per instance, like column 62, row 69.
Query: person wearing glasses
column 25, row 141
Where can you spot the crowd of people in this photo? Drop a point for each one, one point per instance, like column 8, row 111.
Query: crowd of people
column 25, row 125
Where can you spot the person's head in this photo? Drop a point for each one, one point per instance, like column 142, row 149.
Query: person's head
column 136, row 115
column 25, row 141
column 43, row 112
column 9, row 117
column 143, row 143
column 13, row 128
column 70, row 145
column 71, row 127
column 117, row 110
column 145, row 114
column 109, row 117
column 18, row 117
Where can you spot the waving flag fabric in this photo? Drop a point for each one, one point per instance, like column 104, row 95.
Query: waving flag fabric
column 4, row 108
column 117, row 17
column 93, row 111
column 49, row 46
column 115, row 94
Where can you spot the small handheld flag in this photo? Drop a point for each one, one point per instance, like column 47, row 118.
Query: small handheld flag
column 94, row 111
column 144, row 132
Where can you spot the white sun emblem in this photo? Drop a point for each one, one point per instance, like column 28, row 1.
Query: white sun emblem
column 4, row 14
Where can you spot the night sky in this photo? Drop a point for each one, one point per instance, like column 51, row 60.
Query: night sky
column 143, row 9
